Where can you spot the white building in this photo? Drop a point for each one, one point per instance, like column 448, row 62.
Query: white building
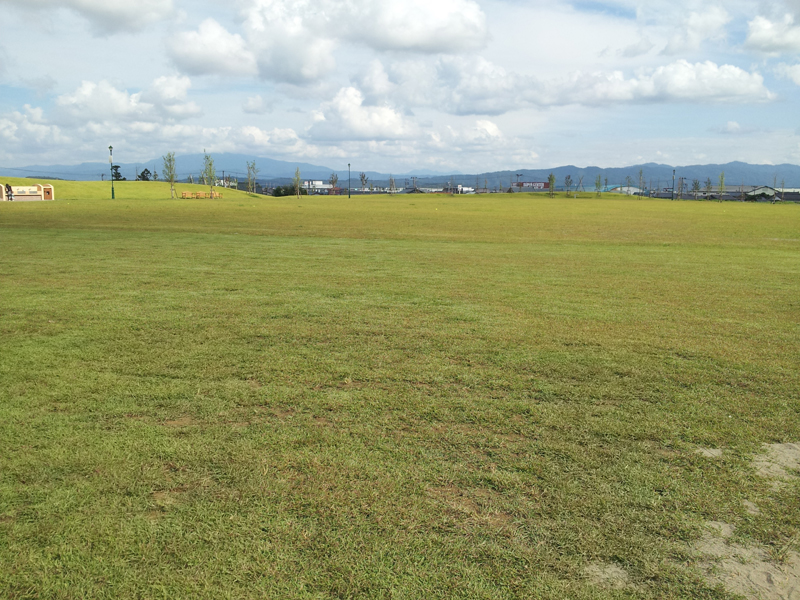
column 317, row 186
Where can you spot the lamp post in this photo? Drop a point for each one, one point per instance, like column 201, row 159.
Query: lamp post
column 673, row 184
column 348, row 180
column 111, row 162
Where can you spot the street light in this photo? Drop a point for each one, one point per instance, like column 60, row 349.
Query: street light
column 673, row 184
column 518, row 176
column 111, row 162
column 348, row 180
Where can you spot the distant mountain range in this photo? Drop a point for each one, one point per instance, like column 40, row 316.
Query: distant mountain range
column 191, row 164
column 277, row 171
column 655, row 176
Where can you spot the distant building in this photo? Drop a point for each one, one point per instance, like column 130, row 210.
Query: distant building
column 628, row 190
column 317, row 187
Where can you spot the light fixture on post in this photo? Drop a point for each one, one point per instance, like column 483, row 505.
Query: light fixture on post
column 348, row 180
column 673, row 185
column 111, row 162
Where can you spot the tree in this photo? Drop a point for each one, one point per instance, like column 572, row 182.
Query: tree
column 568, row 183
column 115, row 174
column 598, row 186
column 695, row 187
column 144, row 175
column 209, row 174
column 392, row 185
column 629, row 183
column 641, row 182
column 252, row 173
column 783, row 190
column 155, row 174
column 551, row 180
column 168, row 172
column 333, row 180
column 721, row 185
column 364, row 179
column 296, row 182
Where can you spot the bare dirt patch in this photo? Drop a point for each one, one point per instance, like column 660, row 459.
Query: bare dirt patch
column 779, row 462
column 747, row 571
column 751, row 508
column 608, row 576
column 709, row 452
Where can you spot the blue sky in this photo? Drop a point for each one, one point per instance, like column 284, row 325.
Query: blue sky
column 467, row 85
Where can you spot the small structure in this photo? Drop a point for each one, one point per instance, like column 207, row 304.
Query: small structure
column 532, row 186
column 29, row 193
column 318, row 187
column 628, row 190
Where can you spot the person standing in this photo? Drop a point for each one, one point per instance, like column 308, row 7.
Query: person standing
column 9, row 192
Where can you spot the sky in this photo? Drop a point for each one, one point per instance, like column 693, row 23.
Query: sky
column 445, row 85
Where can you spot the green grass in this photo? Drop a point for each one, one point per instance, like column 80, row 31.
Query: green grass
column 408, row 397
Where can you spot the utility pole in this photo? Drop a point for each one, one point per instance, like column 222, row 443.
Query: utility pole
column 111, row 162
column 348, row 180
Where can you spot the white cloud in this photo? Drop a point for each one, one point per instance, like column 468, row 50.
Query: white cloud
column 478, row 87
column 455, row 85
column 419, row 25
column 105, row 15
column 680, row 81
column 29, row 127
column 347, row 117
column 769, row 36
column 638, row 49
column 25, row 135
column 697, row 28
column 732, row 127
column 255, row 105
column 94, row 103
column 293, row 41
column 212, row 50
column 42, row 85
column 789, row 72
column 462, row 87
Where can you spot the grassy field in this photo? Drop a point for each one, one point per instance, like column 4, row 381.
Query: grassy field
column 408, row 397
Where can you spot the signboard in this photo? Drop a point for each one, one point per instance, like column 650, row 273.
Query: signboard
column 535, row 185
column 26, row 191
